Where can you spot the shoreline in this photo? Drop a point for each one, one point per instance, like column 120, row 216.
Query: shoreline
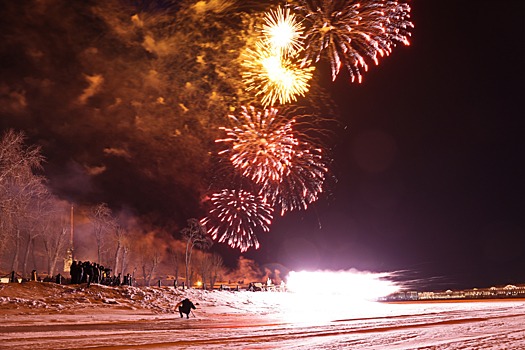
column 453, row 300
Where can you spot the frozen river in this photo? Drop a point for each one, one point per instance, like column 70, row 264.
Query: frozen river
column 446, row 325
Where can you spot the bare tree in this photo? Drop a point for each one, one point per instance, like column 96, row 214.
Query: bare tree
column 55, row 236
column 119, row 235
column 18, row 185
column 150, row 258
column 41, row 206
column 216, row 266
column 23, row 193
column 195, row 236
column 125, row 251
column 102, row 221
column 176, row 257
column 15, row 157
column 146, row 254
column 203, row 265
column 208, row 267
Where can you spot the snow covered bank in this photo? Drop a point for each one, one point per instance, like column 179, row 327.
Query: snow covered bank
column 50, row 316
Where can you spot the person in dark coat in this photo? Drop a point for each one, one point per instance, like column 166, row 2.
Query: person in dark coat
column 185, row 307
column 73, row 271
column 88, row 272
column 96, row 275
column 80, row 272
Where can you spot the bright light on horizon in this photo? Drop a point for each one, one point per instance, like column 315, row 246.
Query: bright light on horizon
column 334, row 295
column 362, row 285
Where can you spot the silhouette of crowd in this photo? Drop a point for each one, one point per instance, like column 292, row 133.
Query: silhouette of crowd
column 89, row 272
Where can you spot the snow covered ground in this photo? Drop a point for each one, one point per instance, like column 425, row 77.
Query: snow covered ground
column 48, row 316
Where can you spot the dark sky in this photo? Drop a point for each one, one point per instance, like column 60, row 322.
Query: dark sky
column 431, row 165
column 428, row 161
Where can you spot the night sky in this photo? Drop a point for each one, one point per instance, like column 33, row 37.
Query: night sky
column 428, row 159
column 430, row 167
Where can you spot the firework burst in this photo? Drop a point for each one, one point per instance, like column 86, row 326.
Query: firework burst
column 283, row 31
column 274, row 77
column 351, row 33
column 301, row 182
column 260, row 143
column 234, row 217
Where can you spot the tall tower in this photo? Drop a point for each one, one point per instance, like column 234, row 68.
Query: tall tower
column 71, row 231
column 68, row 260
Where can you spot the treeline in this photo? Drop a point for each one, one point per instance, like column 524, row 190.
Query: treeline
column 36, row 232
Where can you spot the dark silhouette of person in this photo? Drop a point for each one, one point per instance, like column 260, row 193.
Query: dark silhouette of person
column 88, row 272
column 185, row 307
column 100, row 273
column 80, row 272
column 73, row 271
column 96, row 273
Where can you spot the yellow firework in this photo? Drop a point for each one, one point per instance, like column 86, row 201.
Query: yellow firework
column 282, row 31
column 273, row 77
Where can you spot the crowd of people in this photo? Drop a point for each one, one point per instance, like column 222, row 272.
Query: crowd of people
column 89, row 272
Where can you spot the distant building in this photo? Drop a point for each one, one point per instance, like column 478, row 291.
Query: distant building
column 508, row 291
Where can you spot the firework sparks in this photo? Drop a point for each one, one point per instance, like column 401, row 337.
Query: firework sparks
column 301, row 182
column 274, row 77
column 235, row 215
column 261, row 144
column 266, row 149
column 283, row 31
column 351, row 33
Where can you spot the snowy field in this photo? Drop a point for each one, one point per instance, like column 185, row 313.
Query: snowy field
column 48, row 316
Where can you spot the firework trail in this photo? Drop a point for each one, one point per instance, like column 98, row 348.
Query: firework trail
column 301, row 182
column 260, row 143
column 350, row 33
column 234, row 216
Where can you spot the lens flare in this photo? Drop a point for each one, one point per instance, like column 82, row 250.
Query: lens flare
column 350, row 33
column 235, row 215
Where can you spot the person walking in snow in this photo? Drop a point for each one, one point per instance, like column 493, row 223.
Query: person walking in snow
column 185, row 307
